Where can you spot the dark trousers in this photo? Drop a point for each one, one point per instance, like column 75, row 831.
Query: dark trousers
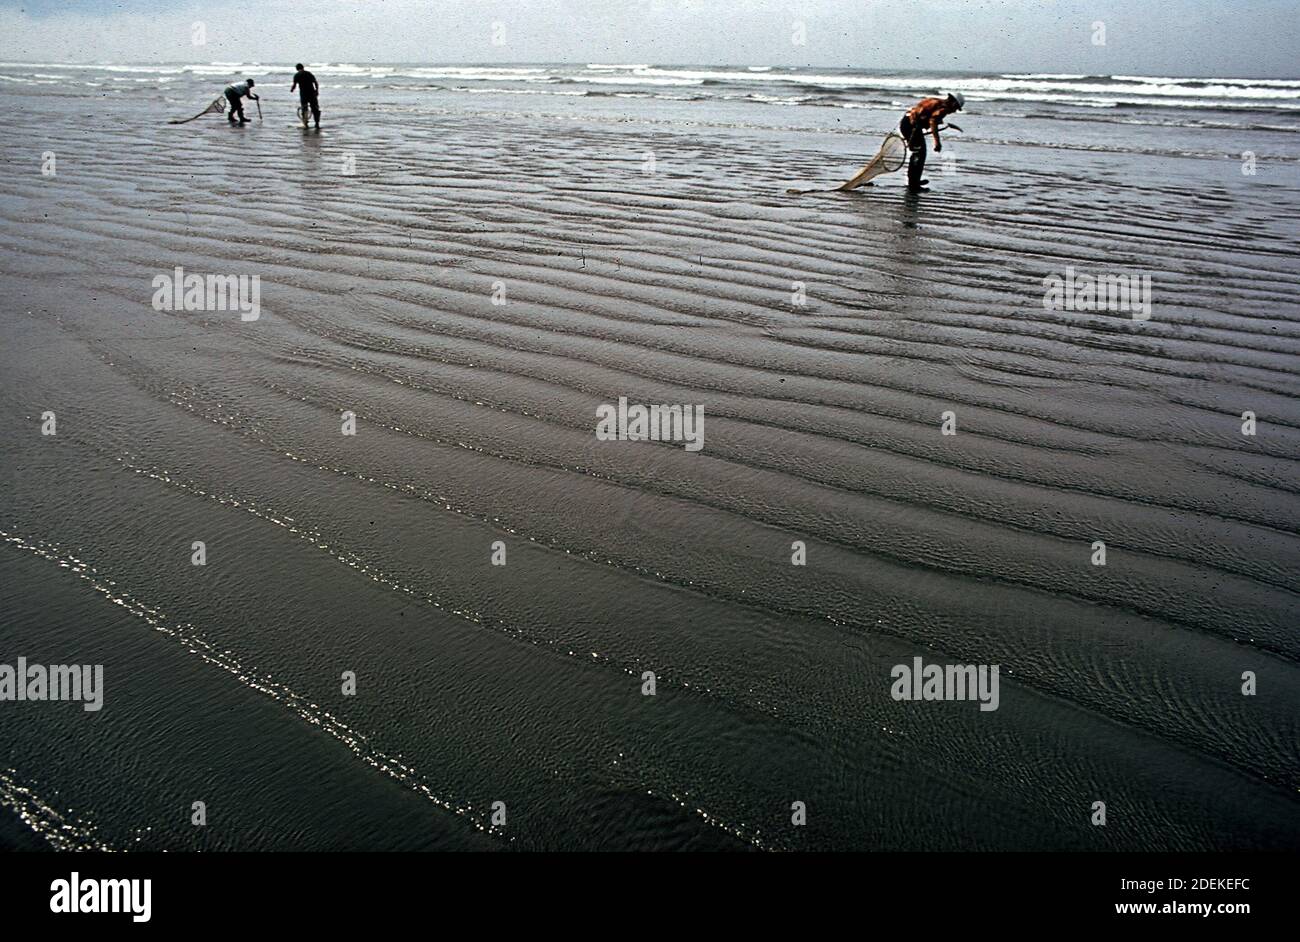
column 236, row 108
column 310, row 103
column 914, row 134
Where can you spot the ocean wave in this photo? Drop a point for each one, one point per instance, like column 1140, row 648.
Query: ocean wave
column 977, row 85
column 476, row 74
column 520, row 91
column 135, row 69
column 1121, row 98
column 1065, row 76
column 778, row 99
column 765, row 85
column 1146, row 89
column 632, row 80
column 1162, row 80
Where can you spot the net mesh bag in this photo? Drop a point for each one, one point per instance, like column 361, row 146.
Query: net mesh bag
column 890, row 157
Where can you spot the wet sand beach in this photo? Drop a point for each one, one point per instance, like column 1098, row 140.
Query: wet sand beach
column 472, row 270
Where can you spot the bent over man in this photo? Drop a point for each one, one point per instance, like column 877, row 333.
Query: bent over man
column 922, row 118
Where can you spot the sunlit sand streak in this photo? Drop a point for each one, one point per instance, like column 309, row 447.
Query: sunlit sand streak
column 192, row 639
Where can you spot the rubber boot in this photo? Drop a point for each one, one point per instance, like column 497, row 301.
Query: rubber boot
column 916, row 167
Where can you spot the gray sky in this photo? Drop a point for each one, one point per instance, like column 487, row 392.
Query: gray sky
column 1151, row 37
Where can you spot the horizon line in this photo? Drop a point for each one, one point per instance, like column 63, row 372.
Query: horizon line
column 663, row 65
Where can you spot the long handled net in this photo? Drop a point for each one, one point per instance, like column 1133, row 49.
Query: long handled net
column 218, row 105
column 890, row 157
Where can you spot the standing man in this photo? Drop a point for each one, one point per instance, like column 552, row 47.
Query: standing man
column 234, row 93
column 305, row 82
column 925, row 116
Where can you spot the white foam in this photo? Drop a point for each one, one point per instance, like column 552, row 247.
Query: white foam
column 635, row 80
column 1043, row 75
column 1159, row 80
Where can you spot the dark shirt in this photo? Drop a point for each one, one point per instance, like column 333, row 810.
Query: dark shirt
column 305, row 82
